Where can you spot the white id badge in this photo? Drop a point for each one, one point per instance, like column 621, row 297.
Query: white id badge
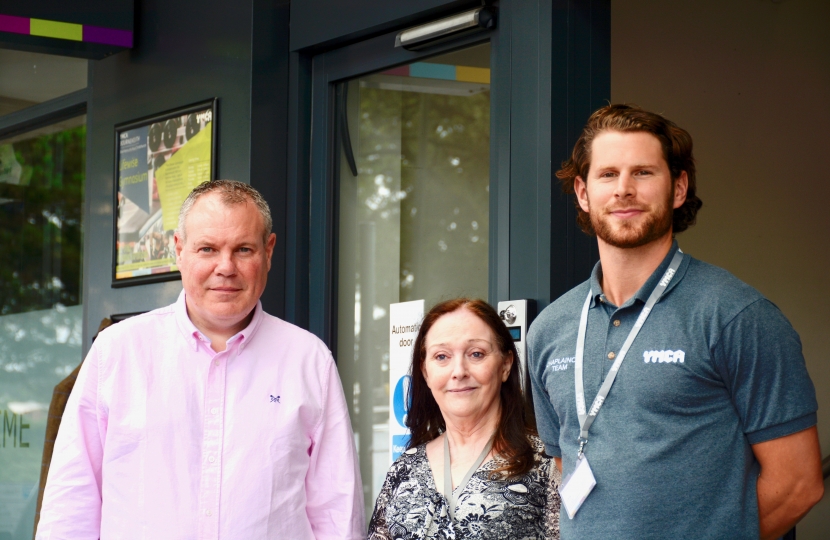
column 576, row 487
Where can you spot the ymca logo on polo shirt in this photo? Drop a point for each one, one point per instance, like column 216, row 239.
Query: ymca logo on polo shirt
column 664, row 357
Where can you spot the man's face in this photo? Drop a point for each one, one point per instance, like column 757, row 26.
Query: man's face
column 629, row 193
column 224, row 263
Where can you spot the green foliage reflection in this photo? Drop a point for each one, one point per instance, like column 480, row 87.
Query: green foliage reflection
column 40, row 221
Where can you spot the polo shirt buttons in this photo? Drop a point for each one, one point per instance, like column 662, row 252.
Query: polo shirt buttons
column 612, row 355
column 616, row 322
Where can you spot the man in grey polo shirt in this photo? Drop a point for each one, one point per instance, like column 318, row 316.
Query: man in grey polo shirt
column 708, row 429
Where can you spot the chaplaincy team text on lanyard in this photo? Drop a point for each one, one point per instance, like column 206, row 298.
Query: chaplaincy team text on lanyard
column 579, row 484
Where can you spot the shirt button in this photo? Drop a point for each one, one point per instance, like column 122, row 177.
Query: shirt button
column 211, row 459
column 216, row 363
column 214, row 410
column 208, row 512
column 616, row 322
column 611, row 355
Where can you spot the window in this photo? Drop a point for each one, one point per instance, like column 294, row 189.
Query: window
column 42, row 174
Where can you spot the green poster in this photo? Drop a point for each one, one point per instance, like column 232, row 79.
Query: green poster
column 186, row 169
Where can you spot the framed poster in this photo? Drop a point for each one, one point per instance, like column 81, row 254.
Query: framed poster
column 158, row 161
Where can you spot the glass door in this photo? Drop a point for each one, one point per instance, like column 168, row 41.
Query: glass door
column 412, row 192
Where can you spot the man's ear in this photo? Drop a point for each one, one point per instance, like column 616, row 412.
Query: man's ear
column 581, row 191
column 269, row 248
column 179, row 244
column 681, row 187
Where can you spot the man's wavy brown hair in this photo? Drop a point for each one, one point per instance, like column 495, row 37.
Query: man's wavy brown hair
column 677, row 151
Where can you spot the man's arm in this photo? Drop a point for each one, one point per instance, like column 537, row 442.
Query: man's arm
column 334, row 492
column 761, row 361
column 790, row 482
column 72, row 498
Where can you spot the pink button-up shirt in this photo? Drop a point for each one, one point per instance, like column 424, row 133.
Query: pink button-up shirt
column 163, row 437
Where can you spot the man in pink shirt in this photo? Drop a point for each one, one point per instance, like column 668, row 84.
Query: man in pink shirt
column 208, row 418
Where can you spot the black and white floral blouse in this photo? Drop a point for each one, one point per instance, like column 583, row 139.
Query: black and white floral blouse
column 410, row 507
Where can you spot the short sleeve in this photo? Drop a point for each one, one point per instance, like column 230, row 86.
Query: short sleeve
column 759, row 357
column 547, row 421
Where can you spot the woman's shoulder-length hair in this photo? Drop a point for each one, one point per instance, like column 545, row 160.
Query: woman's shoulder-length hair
column 517, row 422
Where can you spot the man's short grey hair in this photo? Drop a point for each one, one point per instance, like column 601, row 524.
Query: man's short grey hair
column 231, row 192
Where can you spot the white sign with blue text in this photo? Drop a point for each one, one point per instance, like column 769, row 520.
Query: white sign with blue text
column 404, row 322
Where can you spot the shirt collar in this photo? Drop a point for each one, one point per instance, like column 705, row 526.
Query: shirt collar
column 644, row 292
column 193, row 336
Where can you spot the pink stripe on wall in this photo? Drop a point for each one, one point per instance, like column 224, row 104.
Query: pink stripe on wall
column 15, row 25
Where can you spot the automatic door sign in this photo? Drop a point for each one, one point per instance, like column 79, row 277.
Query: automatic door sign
column 404, row 321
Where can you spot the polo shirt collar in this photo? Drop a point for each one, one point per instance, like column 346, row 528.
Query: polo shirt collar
column 644, row 292
column 193, row 336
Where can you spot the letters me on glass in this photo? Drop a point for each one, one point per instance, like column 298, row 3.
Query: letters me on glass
column 413, row 221
column 41, row 316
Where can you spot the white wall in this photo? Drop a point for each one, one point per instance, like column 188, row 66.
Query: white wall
column 750, row 80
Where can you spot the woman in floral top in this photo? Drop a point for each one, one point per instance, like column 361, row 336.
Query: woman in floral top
column 468, row 413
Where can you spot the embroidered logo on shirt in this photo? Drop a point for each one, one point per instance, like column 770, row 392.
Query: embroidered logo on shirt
column 275, row 399
column 664, row 357
column 561, row 364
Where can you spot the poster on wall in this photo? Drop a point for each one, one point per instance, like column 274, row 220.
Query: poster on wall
column 158, row 161
column 404, row 322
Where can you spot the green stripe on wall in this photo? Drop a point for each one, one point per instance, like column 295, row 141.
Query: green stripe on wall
column 55, row 29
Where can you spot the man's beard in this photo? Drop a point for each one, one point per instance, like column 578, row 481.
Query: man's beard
column 627, row 235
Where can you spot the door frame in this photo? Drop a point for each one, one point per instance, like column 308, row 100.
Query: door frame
column 550, row 68
column 328, row 69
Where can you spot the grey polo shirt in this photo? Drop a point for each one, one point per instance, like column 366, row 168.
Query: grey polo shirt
column 715, row 369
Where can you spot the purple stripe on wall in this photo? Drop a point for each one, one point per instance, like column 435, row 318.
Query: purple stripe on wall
column 16, row 25
column 108, row 36
column 402, row 71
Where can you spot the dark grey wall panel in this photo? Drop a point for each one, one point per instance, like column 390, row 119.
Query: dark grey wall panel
column 530, row 198
column 269, row 133
column 297, row 196
column 580, row 84
column 186, row 51
column 326, row 23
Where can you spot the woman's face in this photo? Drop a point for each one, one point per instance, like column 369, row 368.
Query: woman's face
column 464, row 367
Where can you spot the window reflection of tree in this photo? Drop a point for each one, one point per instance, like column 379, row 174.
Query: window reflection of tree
column 423, row 203
column 40, row 226
column 443, row 165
